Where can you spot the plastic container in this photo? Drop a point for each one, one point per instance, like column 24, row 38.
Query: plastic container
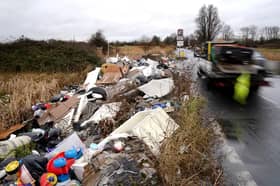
column 63, row 177
column 12, row 167
column 48, row 179
column 93, row 146
column 71, row 153
column 60, row 170
column 59, row 162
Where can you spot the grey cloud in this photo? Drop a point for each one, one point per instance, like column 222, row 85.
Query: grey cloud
column 123, row 19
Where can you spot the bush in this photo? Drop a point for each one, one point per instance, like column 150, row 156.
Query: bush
column 25, row 55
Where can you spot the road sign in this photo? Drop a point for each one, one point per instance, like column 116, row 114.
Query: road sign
column 180, row 38
column 180, row 43
column 180, row 32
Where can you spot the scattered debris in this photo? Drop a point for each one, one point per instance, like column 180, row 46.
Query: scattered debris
column 108, row 131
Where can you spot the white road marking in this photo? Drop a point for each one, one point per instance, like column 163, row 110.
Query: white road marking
column 270, row 101
column 231, row 157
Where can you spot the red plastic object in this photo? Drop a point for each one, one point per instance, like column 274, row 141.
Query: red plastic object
column 47, row 179
column 48, row 106
column 61, row 170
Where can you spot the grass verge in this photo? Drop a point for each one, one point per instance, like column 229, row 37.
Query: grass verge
column 270, row 54
column 187, row 156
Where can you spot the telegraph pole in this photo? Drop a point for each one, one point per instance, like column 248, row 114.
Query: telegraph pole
column 108, row 49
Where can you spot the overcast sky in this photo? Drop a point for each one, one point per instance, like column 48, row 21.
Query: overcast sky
column 123, row 19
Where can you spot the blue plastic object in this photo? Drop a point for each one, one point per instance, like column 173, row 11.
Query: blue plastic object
column 79, row 154
column 71, row 153
column 63, row 177
column 59, row 162
column 93, row 146
column 162, row 105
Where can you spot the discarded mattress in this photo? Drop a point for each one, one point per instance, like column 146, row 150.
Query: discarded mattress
column 158, row 88
column 91, row 79
column 152, row 126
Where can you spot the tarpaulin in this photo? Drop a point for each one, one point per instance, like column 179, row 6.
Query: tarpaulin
column 158, row 88
column 152, row 126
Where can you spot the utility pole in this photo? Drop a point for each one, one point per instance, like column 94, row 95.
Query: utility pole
column 108, row 49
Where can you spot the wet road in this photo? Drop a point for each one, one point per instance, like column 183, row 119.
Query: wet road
column 253, row 130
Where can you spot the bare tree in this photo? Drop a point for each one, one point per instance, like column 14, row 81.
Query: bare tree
column 268, row 32
column 193, row 40
column 208, row 23
column 155, row 40
column 227, row 32
column 99, row 40
column 171, row 39
column 275, row 32
column 261, row 33
column 145, row 39
column 245, row 31
column 253, row 32
column 145, row 43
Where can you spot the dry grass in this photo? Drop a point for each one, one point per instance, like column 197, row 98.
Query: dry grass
column 18, row 92
column 187, row 157
column 271, row 54
column 138, row 51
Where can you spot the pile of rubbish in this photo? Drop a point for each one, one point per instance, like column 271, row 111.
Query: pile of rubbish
column 107, row 131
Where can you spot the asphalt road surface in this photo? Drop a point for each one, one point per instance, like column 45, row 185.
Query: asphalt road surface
column 253, row 129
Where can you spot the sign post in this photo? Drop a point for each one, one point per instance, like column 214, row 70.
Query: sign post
column 180, row 43
column 180, row 38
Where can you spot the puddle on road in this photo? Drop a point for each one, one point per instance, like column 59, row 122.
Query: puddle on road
column 235, row 129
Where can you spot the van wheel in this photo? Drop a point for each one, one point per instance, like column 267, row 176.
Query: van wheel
column 255, row 88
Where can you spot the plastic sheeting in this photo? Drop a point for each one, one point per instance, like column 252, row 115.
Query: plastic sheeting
column 81, row 107
column 65, row 123
column 91, row 79
column 112, row 59
column 158, row 88
column 149, row 70
column 109, row 110
column 72, row 141
column 8, row 147
column 151, row 126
